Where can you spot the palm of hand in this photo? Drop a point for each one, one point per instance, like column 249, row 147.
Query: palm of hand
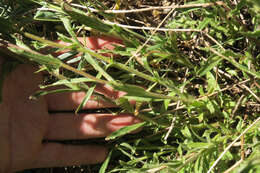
column 30, row 123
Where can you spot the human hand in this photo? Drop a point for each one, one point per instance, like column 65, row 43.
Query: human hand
column 94, row 43
column 25, row 123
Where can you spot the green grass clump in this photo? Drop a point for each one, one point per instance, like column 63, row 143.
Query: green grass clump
column 200, row 77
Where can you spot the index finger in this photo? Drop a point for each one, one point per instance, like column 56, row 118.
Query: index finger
column 94, row 43
column 70, row 101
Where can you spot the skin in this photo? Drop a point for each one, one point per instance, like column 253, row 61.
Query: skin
column 95, row 43
column 25, row 123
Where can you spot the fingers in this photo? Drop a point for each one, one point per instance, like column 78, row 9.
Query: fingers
column 103, row 42
column 94, row 43
column 70, row 101
column 60, row 155
column 85, row 126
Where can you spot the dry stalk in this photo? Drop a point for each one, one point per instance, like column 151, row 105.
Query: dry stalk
column 251, row 92
column 234, row 166
column 153, row 28
column 152, row 33
column 178, row 105
column 237, row 105
column 202, row 5
column 231, row 144
column 201, row 98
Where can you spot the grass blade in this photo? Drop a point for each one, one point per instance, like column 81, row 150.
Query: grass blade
column 105, row 163
column 86, row 98
column 47, row 60
column 91, row 22
column 96, row 66
column 124, row 131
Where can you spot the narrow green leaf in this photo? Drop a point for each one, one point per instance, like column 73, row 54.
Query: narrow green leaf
column 146, row 64
column 166, row 102
column 179, row 59
column 141, row 99
column 204, row 23
column 197, row 165
column 136, row 91
column 64, row 38
column 182, row 60
column 253, row 34
column 199, row 145
column 124, row 130
column 46, row 16
column 91, row 22
column 229, row 57
column 124, row 103
column 186, row 132
column 67, row 25
column 47, row 60
column 74, row 60
column 96, row 66
column 66, row 55
column 43, row 93
column 212, row 83
column 128, row 146
column 210, row 64
column 86, row 98
column 255, row 128
column 67, row 81
column 210, row 107
column 240, row 124
column 105, row 163
column 245, row 69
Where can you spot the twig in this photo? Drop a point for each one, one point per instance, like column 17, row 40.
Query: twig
column 224, row 89
column 4, row 49
column 233, row 61
column 253, row 104
column 203, row 5
column 214, row 40
column 251, row 92
column 154, row 170
column 237, row 105
column 153, row 28
column 223, row 73
column 170, row 128
column 178, row 105
column 234, row 166
column 242, row 19
column 217, row 70
column 153, row 32
column 47, row 9
column 230, row 145
column 242, row 148
column 200, row 98
column 136, row 21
